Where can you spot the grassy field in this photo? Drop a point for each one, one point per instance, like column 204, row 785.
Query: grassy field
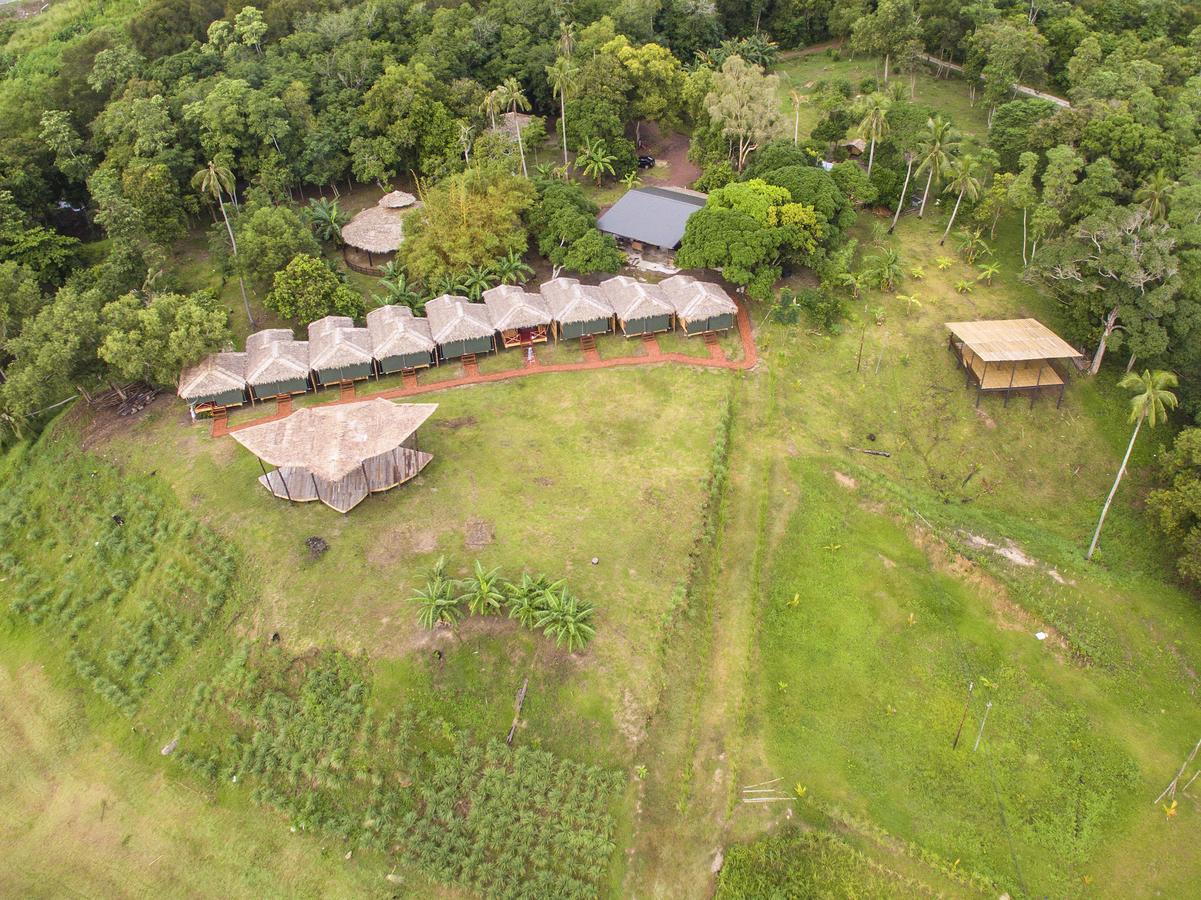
column 773, row 607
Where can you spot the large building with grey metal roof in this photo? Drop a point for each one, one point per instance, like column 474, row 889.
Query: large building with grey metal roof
column 651, row 216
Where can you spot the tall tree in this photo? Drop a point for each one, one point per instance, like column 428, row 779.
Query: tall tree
column 562, row 77
column 1150, row 404
column 938, row 146
column 154, row 338
column 965, row 181
column 1023, row 193
column 873, row 122
column 512, row 96
column 215, row 181
column 743, row 105
column 885, row 31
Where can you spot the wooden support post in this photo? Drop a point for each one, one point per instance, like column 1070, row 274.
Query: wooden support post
column 1012, row 375
column 316, row 490
column 363, row 469
column 1038, row 380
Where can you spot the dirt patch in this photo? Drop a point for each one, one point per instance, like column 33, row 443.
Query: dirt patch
column 672, row 165
column 99, row 426
column 478, row 534
column 544, row 481
column 1012, row 552
column 456, row 424
column 985, row 418
column 631, row 719
column 400, row 543
column 888, row 563
column 845, row 481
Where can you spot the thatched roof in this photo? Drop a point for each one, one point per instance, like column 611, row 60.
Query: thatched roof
column 512, row 308
column 1012, row 340
column 856, row 145
column 261, row 339
column 395, row 331
column 397, row 200
column 694, row 299
column 635, row 299
column 334, row 343
column 376, row 230
column 457, row 319
column 280, row 360
column 505, row 122
column 333, row 440
column 215, row 374
column 570, row 301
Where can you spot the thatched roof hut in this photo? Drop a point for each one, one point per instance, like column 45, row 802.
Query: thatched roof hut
column 377, row 231
column 400, row 340
column 276, row 364
column 460, row 327
column 520, row 317
column 577, row 309
column 397, row 200
column 700, row 306
column 338, row 351
column 341, row 452
column 641, row 308
column 507, row 122
column 217, row 380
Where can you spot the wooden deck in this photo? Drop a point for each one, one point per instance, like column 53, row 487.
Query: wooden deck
column 1024, row 376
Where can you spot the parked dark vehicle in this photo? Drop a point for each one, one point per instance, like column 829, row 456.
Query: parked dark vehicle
column 646, row 162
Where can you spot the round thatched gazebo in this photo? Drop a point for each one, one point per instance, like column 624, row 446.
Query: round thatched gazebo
column 375, row 233
column 397, row 200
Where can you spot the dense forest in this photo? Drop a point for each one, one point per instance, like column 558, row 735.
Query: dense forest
column 134, row 124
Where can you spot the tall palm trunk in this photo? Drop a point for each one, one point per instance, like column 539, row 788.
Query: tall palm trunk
column 903, row 202
column 954, row 213
column 563, row 122
column 232, row 241
column 871, row 155
column 926, row 193
column 796, row 126
column 1113, row 490
column 1110, row 325
column 520, row 148
column 1025, row 261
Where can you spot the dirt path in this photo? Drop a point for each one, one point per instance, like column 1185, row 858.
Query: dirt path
column 750, row 358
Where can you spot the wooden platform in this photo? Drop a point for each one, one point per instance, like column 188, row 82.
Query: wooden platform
column 1031, row 376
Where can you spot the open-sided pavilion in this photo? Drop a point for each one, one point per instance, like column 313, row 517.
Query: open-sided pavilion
column 1010, row 355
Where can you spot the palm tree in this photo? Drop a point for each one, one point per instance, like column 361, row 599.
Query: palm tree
column 797, row 99
column 972, row 244
column 326, row 219
column 562, row 78
column 215, row 181
column 466, row 132
column 525, row 600
column 477, row 280
column 490, row 105
column 594, row 159
column 512, row 96
column 964, row 181
column 911, row 300
column 567, row 32
column 1151, row 404
column 567, row 619
column 938, row 145
column 398, row 289
column 512, row 269
column 447, row 283
column 904, row 201
column 873, row 125
column 988, row 271
column 1154, row 195
column 482, row 591
column 854, row 281
column 886, row 268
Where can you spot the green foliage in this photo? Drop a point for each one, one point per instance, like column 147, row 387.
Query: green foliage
column 154, row 338
column 563, row 222
column 269, row 237
column 307, row 289
column 825, row 309
column 1176, row 506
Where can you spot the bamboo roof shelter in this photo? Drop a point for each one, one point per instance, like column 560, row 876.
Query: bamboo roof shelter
column 459, row 327
column 338, row 351
column 340, row 453
column 1010, row 355
column 397, row 200
column 577, row 310
column 400, row 340
column 218, row 380
column 641, row 308
column 520, row 317
column 276, row 364
column 377, row 231
column 700, row 306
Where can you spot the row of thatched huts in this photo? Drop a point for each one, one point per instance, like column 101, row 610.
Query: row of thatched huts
column 394, row 340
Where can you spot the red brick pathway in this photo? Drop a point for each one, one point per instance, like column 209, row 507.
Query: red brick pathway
column 651, row 343
column 750, row 358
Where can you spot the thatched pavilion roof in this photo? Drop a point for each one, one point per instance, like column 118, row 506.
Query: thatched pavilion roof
column 395, row 331
column 512, row 308
column 215, row 374
column 281, row 359
column 505, row 121
column 335, row 343
column 570, row 301
column 457, row 319
column 694, row 299
column 397, row 200
column 635, row 299
column 1012, row 340
column 376, row 229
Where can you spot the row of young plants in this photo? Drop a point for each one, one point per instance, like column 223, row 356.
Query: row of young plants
column 99, row 558
column 535, row 601
column 303, row 735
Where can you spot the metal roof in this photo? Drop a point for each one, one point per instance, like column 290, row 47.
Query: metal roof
column 652, row 215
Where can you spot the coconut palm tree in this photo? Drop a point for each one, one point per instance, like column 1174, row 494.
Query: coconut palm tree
column 490, row 105
column 873, row 124
column 1154, row 195
column 482, row 591
column 215, row 181
column 562, row 78
column 567, row 619
column 478, row 279
column 1150, row 404
column 514, row 99
column 797, row 99
column 326, row 219
column 904, row 201
column 512, row 269
column 938, row 146
column 964, row 182
column 972, row 244
column 567, row 32
column 594, row 159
